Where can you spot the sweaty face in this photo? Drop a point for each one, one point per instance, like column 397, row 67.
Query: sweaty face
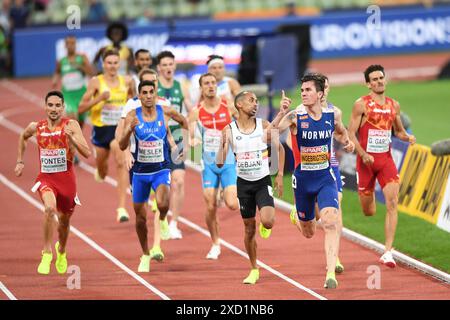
column 217, row 69
column 143, row 60
column 54, row 108
column 166, row 68
column 209, row 87
column 147, row 96
column 309, row 93
column 71, row 45
column 377, row 82
column 249, row 105
column 111, row 64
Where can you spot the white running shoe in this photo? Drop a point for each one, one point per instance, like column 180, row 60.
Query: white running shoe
column 214, row 252
column 388, row 260
column 175, row 233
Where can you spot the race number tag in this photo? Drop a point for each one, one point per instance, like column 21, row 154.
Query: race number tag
column 378, row 141
column 150, row 151
column 211, row 141
column 53, row 160
column 110, row 115
column 314, row 158
column 73, row 81
column 251, row 164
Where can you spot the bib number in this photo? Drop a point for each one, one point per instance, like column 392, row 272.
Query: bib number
column 110, row 115
column 378, row 141
column 53, row 160
column 314, row 158
column 211, row 140
column 150, row 151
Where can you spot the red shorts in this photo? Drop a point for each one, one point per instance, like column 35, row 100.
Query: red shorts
column 63, row 186
column 383, row 169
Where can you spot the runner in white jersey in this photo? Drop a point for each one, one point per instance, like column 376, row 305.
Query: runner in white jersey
column 249, row 141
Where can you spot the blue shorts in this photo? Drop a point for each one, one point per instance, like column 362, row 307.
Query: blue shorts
column 337, row 175
column 102, row 136
column 211, row 176
column 308, row 190
column 143, row 183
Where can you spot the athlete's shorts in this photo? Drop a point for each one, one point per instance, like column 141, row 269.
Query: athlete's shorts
column 177, row 166
column 254, row 193
column 72, row 101
column 63, row 186
column 102, row 136
column 143, row 183
column 307, row 190
column 212, row 176
column 337, row 175
column 383, row 169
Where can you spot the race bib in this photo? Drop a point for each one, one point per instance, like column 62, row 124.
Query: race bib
column 211, row 140
column 150, row 151
column 252, row 164
column 73, row 81
column 53, row 160
column 314, row 158
column 110, row 115
column 378, row 141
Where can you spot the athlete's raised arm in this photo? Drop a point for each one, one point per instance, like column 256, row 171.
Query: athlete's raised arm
column 73, row 131
column 29, row 131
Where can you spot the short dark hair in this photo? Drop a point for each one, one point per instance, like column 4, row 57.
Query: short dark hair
column 145, row 83
column 164, row 54
column 136, row 54
column 117, row 25
column 239, row 97
column 212, row 57
column 318, row 79
column 110, row 52
column 208, row 74
column 145, row 71
column 372, row 68
column 54, row 93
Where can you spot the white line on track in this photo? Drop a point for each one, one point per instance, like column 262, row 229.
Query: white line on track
column 33, row 98
column 83, row 237
column 7, row 292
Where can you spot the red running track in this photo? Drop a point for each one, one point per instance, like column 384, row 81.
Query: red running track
column 185, row 273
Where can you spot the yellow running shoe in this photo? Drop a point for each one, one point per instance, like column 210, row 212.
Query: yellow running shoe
column 44, row 266
column 164, row 229
column 144, row 265
column 330, row 282
column 61, row 260
column 157, row 254
column 154, row 205
column 292, row 216
column 339, row 267
column 252, row 277
column 97, row 176
column 122, row 215
column 263, row 232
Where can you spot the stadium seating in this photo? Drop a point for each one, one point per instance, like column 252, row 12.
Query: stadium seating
column 133, row 9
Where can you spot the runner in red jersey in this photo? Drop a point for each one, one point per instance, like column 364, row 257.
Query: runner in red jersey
column 58, row 138
column 373, row 118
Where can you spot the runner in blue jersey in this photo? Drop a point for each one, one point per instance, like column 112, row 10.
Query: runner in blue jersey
column 312, row 127
column 148, row 125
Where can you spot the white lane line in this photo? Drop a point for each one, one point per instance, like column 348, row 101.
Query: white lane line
column 7, row 292
column 83, row 237
column 205, row 232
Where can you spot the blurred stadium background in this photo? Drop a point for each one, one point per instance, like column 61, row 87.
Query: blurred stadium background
column 267, row 45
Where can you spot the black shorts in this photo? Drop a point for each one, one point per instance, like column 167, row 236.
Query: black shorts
column 254, row 193
column 102, row 136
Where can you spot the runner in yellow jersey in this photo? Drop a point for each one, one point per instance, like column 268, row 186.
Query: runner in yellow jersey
column 105, row 96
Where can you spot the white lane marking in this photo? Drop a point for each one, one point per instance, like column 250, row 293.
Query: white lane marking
column 7, row 292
